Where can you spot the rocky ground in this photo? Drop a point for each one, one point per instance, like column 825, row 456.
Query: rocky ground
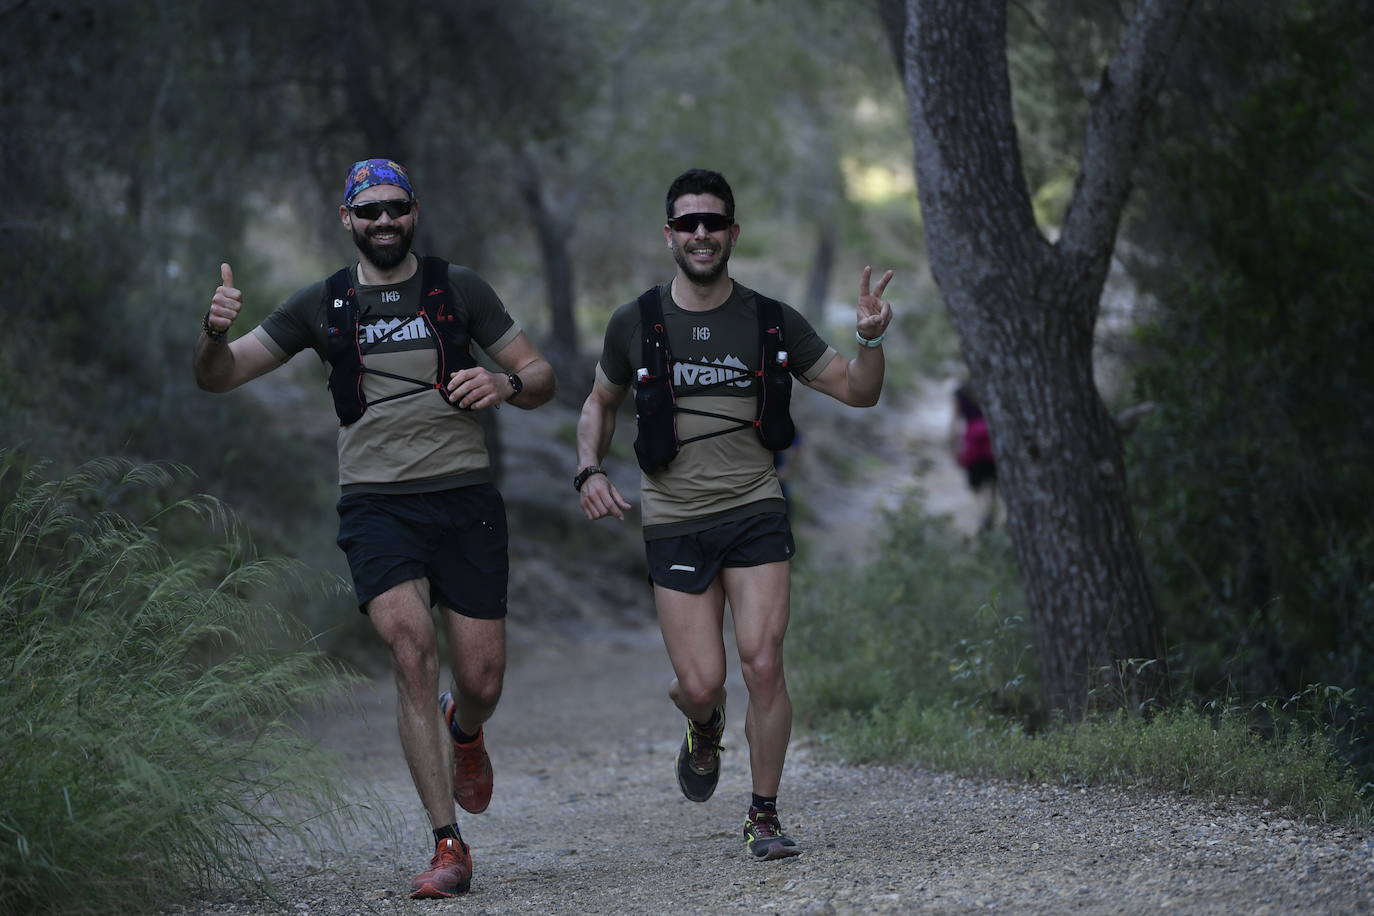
column 587, row 817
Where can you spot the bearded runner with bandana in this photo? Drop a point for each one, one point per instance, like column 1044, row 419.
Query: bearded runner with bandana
column 420, row 520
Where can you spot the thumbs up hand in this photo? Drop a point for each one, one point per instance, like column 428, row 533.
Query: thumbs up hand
column 226, row 303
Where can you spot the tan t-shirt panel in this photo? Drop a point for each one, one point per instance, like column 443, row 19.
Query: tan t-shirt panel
column 714, row 475
column 413, row 438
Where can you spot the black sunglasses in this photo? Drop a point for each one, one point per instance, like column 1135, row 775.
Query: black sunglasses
column 688, row 222
column 373, row 209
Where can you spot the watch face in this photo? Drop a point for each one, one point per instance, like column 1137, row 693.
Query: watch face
column 515, row 382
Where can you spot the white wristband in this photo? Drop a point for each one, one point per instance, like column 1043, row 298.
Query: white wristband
column 865, row 342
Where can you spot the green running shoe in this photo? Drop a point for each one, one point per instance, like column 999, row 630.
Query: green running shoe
column 698, row 760
column 764, row 838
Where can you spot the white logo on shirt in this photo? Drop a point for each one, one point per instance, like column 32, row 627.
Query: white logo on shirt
column 729, row 370
column 414, row 329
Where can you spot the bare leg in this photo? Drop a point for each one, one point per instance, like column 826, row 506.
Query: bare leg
column 760, row 603
column 402, row 618
column 477, row 658
column 691, row 627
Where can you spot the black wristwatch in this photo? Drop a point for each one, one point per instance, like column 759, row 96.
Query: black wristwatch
column 515, row 383
column 586, row 472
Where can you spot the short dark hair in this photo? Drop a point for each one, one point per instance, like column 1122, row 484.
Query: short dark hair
column 700, row 181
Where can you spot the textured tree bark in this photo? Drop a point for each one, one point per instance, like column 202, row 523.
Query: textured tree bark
column 1025, row 310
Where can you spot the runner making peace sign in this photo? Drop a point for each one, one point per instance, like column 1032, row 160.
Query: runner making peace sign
column 714, row 359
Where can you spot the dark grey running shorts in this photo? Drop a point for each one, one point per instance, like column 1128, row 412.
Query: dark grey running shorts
column 691, row 562
column 454, row 538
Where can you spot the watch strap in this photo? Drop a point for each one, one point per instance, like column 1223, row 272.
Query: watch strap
column 585, row 473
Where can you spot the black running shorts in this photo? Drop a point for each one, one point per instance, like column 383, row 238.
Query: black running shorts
column 691, row 562
column 454, row 538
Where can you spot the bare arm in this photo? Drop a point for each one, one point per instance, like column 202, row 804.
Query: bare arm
column 595, row 429
column 218, row 364
column 477, row 387
column 858, row 382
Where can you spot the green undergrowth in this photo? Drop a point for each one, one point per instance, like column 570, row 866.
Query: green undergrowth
column 152, row 745
column 1187, row 749
column 924, row 656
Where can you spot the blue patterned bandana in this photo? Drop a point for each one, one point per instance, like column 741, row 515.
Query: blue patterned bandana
column 369, row 172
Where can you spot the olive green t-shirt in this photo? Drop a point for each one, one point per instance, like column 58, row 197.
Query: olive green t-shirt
column 728, row 476
column 420, row 442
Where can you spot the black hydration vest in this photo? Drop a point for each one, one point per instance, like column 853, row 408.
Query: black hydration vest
column 656, row 406
column 345, row 352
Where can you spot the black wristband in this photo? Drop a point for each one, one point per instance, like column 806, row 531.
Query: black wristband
column 585, row 473
column 209, row 331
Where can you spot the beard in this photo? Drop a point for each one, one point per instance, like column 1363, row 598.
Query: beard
column 699, row 275
column 384, row 256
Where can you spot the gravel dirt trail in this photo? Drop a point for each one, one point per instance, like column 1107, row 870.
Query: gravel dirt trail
column 587, row 818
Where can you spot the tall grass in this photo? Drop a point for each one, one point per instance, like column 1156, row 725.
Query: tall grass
column 923, row 656
column 147, row 715
column 932, row 615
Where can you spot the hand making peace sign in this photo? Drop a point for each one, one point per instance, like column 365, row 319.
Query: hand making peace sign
column 874, row 314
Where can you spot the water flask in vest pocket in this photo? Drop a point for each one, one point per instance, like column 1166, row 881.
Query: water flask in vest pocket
column 775, row 428
column 656, row 443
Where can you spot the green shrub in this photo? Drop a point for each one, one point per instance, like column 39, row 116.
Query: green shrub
column 146, row 718
column 922, row 656
column 934, row 616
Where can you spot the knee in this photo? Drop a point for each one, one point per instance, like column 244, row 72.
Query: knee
column 700, row 691
column 414, row 655
column 481, row 686
column 762, row 671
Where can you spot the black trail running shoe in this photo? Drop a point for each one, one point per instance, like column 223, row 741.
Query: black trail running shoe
column 698, row 760
column 764, row 838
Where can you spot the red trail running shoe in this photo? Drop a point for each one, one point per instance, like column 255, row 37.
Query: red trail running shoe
column 449, row 874
column 472, row 776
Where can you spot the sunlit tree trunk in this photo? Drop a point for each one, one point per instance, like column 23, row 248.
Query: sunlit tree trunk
column 1025, row 310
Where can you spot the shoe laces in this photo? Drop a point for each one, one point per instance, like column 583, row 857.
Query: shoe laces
column 706, row 739
column 448, row 852
column 764, row 824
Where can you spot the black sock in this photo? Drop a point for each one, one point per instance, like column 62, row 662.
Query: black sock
column 761, row 802
column 458, row 734
column 712, row 723
column 450, row 830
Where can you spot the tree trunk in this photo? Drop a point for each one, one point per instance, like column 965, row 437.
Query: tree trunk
column 554, row 230
column 1025, row 311
column 818, row 279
